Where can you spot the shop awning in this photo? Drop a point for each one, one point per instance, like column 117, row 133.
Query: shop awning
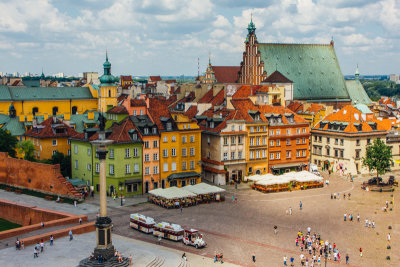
column 182, row 175
column 133, row 181
column 288, row 165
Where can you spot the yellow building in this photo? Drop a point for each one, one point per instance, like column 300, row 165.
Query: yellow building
column 180, row 145
column 311, row 112
column 107, row 94
column 49, row 137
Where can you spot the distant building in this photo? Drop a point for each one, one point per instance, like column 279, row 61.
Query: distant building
column 394, row 77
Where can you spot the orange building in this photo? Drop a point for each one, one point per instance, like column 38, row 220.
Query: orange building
column 135, row 106
column 49, row 137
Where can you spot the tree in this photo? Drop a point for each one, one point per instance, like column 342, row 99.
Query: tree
column 378, row 157
column 27, row 148
column 8, row 143
column 64, row 161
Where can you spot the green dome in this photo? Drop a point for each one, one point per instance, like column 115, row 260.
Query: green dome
column 107, row 77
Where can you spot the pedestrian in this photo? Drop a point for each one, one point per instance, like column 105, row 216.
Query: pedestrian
column 42, row 224
column 35, row 253
column 75, row 203
column 275, row 229
column 130, row 259
column 41, row 246
column 301, row 205
column 80, row 220
column 290, row 211
column 17, row 244
column 373, row 224
column 159, row 240
column 284, row 260
column 387, row 204
column 388, row 237
column 233, row 198
column 351, row 217
column 345, row 215
column 349, row 196
column 358, row 217
column 347, row 258
column 360, row 252
column 366, row 222
column 309, row 230
column 221, row 257
column 184, row 256
column 344, row 196
column 215, row 257
column 291, row 261
column 51, row 240
column 70, row 235
column 254, row 257
column 22, row 245
column 331, row 196
column 369, row 224
column 181, row 208
column 297, row 242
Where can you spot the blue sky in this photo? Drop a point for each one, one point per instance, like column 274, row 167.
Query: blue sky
column 150, row 37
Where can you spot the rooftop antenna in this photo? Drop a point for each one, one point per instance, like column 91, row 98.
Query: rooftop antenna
column 209, row 58
column 251, row 16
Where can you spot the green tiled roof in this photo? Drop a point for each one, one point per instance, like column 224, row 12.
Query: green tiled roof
column 4, row 118
column 79, row 119
column 14, row 126
column 363, row 108
column 357, row 92
column 19, row 93
column 314, row 69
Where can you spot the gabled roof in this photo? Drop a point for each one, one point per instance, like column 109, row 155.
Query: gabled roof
column 277, row 77
column 295, row 106
column 138, row 103
column 118, row 110
column 314, row 108
column 126, row 78
column 219, row 98
column 191, row 112
column 49, row 129
column 207, row 97
column 357, row 92
column 155, row 78
column 245, row 91
column 159, row 108
column 264, row 88
column 314, row 69
column 226, row 74
column 121, row 132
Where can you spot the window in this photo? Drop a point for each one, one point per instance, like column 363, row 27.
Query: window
column 165, row 139
column 304, row 130
column 173, row 152
column 257, row 154
column 298, row 140
column 341, row 153
column 155, row 156
column 328, row 140
column 112, row 169
column 252, row 129
column 336, row 153
column 250, row 169
column 192, row 164
column 155, row 144
column 233, row 140
column 154, row 130
column 288, row 142
column 278, row 132
column 184, row 139
column 239, row 154
column 298, row 130
column 328, row 151
column 136, row 152
column 165, row 167
column 97, row 167
column 303, row 153
column 358, row 142
column 341, row 142
column 146, row 157
column 271, row 143
column 297, row 153
column 208, row 140
column 131, row 188
column 54, row 142
column 141, row 112
column 146, row 144
column 183, row 165
column 288, row 154
column 304, row 140
column 252, row 141
column 89, row 167
column 271, row 132
column 240, row 128
column 258, row 128
column 76, row 164
column 287, row 131
column 225, row 155
column 225, row 141
column 258, row 141
column 89, row 151
column 134, row 113
column 69, row 152
column 192, row 139
column 111, row 151
column 336, row 141
column 136, row 168
column 368, row 141
column 173, row 166
column 264, row 128
column 68, row 142
column 155, row 169
column 264, row 140
column 278, row 142
column 146, row 130
column 240, row 140
column 315, row 138
column 278, row 155
column 183, row 152
column 319, row 138
column 165, row 153
column 54, row 152
column 147, row 170
column 233, row 155
column 193, row 181
column 264, row 153
column 357, row 154
column 127, row 152
column 251, row 154
column 233, row 128
column 127, row 168
column 192, row 151
column 271, row 155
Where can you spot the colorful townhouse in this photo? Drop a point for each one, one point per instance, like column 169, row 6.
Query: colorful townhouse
column 123, row 163
column 313, row 113
column 49, row 137
column 180, row 145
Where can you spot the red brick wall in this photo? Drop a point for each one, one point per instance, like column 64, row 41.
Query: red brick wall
column 32, row 175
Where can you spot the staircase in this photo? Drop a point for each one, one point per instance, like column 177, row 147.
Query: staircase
column 70, row 187
column 156, row 262
column 183, row 263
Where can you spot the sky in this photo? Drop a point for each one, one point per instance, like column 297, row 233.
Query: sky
column 166, row 37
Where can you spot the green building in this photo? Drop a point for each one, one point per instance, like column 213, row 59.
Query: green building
column 124, row 167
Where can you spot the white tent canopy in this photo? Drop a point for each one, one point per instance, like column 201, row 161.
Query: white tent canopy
column 269, row 179
column 171, row 193
column 203, row 189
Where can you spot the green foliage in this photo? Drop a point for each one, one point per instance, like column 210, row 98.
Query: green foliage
column 376, row 88
column 28, row 149
column 64, row 161
column 7, row 225
column 8, row 143
column 378, row 157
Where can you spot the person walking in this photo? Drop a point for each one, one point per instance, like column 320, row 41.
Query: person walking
column 181, row 208
column 285, row 260
column 301, row 205
column 347, row 258
column 290, row 210
column 275, row 229
column 360, row 252
column 291, row 261
column 358, row 217
column 41, row 246
column 51, row 240
column 35, row 252
column 388, row 237
column 130, row 259
column 345, row 216
column 70, row 235
column 22, row 245
column 254, row 257
column 80, row 220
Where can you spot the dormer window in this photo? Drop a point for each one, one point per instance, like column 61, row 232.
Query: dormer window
column 146, row 130
column 154, row 130
column 169, row 126
column 211, row 124
column 257, row 117
column 134, row 136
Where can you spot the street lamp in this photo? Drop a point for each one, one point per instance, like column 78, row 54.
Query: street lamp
column 121, row 189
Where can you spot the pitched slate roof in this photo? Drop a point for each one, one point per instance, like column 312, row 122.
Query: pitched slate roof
column 20, row 93
column 314, row 69
column 277, row 77
column 207, row 97
column 48, row 129
column 14, row 126
column 118, row 110
column 357, row 92
column 226, row 74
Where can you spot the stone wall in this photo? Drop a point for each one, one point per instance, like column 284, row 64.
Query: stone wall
column 40, row 177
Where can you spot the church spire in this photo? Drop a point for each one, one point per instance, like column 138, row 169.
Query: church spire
column 357, row 75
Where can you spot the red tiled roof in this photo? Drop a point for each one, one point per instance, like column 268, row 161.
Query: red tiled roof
column 138, row 103
column 219, row 98
column 277, row 77
column 122, row 97
column 264, row 88
column 158, row 108
column 315, row 108
column 45, row 129
column 226, row 74
column 126, row 78
column 295, row 106
column 207, row 97
column 118, row 110
column 191, row 112
column 281, row 110
column 170, row 81
column 245, row 91
column 213, row 170
column 155, row 78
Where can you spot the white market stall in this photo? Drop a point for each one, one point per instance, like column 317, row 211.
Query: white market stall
column 206, row 192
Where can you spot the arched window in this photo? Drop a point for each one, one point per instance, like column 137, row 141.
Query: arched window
column 109, row 93
column 74, row 110
column 55, row 110
column 35, row 110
